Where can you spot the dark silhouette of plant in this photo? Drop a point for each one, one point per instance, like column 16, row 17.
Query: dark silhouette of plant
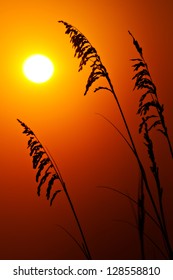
column 138, row 219
column 87, row 53
column 148, row 101
column 45, row 164
column 48, row 172
column 143, row 80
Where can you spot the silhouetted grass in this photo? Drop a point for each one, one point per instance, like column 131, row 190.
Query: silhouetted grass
column 148, row 102
column 88, row 55
column 48, row 172
column 143, row 81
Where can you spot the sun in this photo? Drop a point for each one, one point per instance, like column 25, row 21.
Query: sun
column 38, row 68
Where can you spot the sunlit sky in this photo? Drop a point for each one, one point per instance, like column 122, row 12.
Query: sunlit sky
column 88, row 151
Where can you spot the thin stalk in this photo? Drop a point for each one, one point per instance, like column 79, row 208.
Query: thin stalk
column 141, row 216
column 132, row 200
column 88, row 255
column 141, row 168
column 165, row 228
column 127, row 142
column 78, row 223
column 155, row 172
column 73, row 238
column 156, row 176
column 146, row 235
column 86, row 249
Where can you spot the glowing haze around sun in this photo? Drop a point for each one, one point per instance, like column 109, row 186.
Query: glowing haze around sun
column 38, row 68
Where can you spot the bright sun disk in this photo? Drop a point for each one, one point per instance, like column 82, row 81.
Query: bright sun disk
column 38, row 68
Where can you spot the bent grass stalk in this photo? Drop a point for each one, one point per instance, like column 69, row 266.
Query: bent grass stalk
column 86, row 52
column 42, row 160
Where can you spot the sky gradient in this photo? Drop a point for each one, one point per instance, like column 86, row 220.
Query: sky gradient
column 88, row 150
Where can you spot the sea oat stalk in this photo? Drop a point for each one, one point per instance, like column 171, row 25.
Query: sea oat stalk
column 44, row 162
column 86, row 52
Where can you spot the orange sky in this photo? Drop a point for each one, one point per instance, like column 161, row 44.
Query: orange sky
column 86, row 148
